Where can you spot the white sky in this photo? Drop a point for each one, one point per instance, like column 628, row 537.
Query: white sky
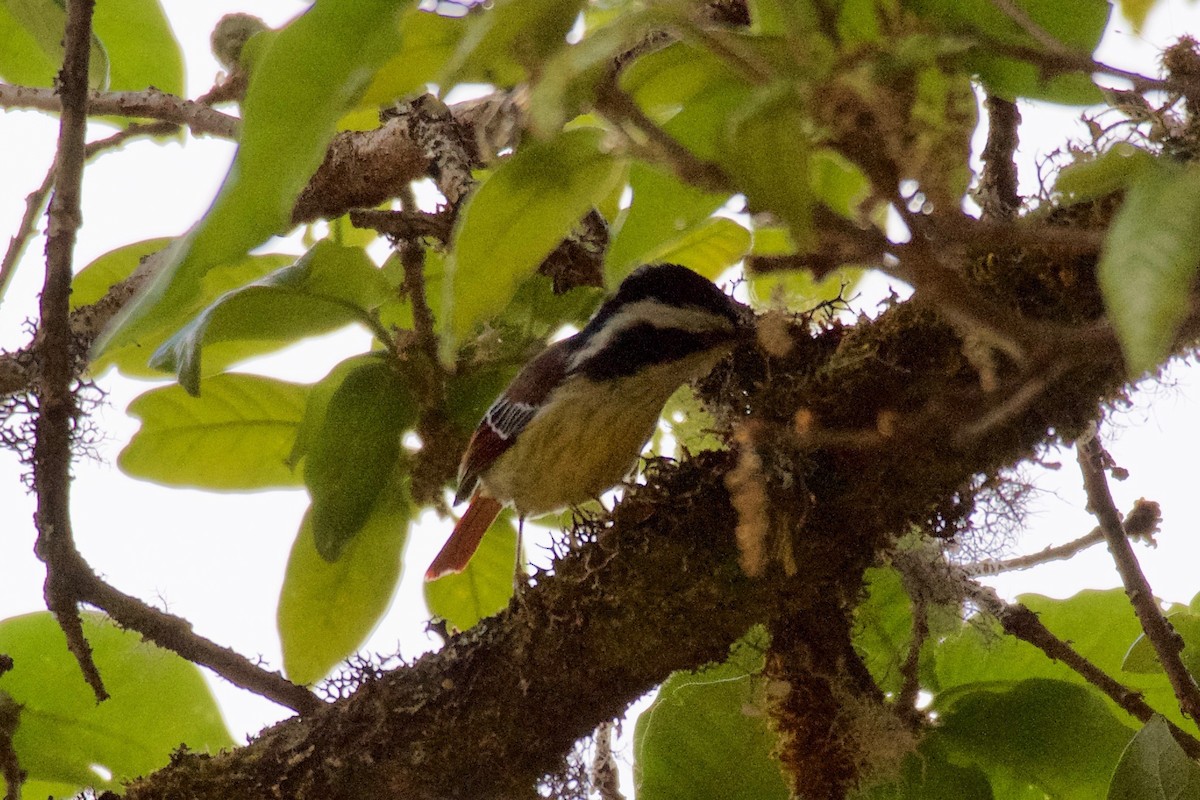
column 218, row 560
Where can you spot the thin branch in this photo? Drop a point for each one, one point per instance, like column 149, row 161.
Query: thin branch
column 175, row 634
column 1140, row 522
column 406, row 225
column 910, row 687
column 36, row 199
column 149, row 104
column 1035, row 31
column 1168, row 644
column 606, row 779
column 57, row 407
column 1019, row 621
column 620, row 109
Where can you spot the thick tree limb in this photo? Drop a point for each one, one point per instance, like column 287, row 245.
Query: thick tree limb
column 659, row 588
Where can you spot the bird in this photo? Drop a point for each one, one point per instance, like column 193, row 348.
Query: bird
column 574, row 420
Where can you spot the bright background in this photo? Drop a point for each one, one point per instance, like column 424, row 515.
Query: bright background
column 218, row 559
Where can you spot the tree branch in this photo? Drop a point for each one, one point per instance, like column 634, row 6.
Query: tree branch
column 1168, row 644
column 56, row 403
column 1019, row 621
column 148, row 103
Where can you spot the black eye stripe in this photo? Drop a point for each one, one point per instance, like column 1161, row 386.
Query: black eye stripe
column 644, row 345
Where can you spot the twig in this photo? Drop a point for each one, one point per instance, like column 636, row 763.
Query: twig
column 1017, row 620
column 1141, row 521
column 1168, row 644
column 1037, row 32
column 148, row 103
column 34, row 202
column 606, row 779
column 57, row 408
column 406, row 225
column 906, row 700
column 175, row 634
column 619, row 108
column 997, row 193
column 36, row 199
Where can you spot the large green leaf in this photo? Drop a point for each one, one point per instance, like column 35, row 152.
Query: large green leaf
column 91, row 283
column 428, row 41
column 327, row 610
column 710, row 248
column 928, row 774
column 31, row 44
column 327, row 288
column 1155, row 767
column 1031, row 731
column 484, row 587
column 158, row 702
column 1149, row 262
column 351, row 454
column 663, row 210
column 503, row 44
column 517, row 217
column 142, row 51
column 883, row 627
column 314, row 70
column 236, row 437
column 706, row 734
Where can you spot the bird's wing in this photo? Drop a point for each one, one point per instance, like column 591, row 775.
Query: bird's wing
column 512, row 411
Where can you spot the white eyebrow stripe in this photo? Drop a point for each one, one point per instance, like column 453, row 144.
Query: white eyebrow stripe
column 656, row 313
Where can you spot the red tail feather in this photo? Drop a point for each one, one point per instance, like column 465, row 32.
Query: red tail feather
column 464, row 541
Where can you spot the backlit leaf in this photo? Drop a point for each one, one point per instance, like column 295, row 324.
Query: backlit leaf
column 237, row 436
column 1149, row 262
column 327, row 288
column 158, row 702
column 352, row 454
column 327, row 610
column 1155, row 767
column 484, row 587
column 517, row 217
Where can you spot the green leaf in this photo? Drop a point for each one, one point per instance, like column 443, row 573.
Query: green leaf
column 158, row 702
column 567, row 84
column 330, row 286
column 768, row 154
column 482, row 589
column 883, row 627
column 352, row 455
column 1077, row 24
column 711, row 248
column 663, row 210
column 1155, row 767
column 1109, row 172
column 519, row 215
column 1136, row 11
column 1142, row 658
column 1149, row 262
column 706, row 734
column 327, row 610
column 1032, row 732
column 34, row 29
column 141, row 48
column 236, row 437
column 427, row 42
column 838, row 183
column 93, row 281
column 505, row 43
column 311, row 74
